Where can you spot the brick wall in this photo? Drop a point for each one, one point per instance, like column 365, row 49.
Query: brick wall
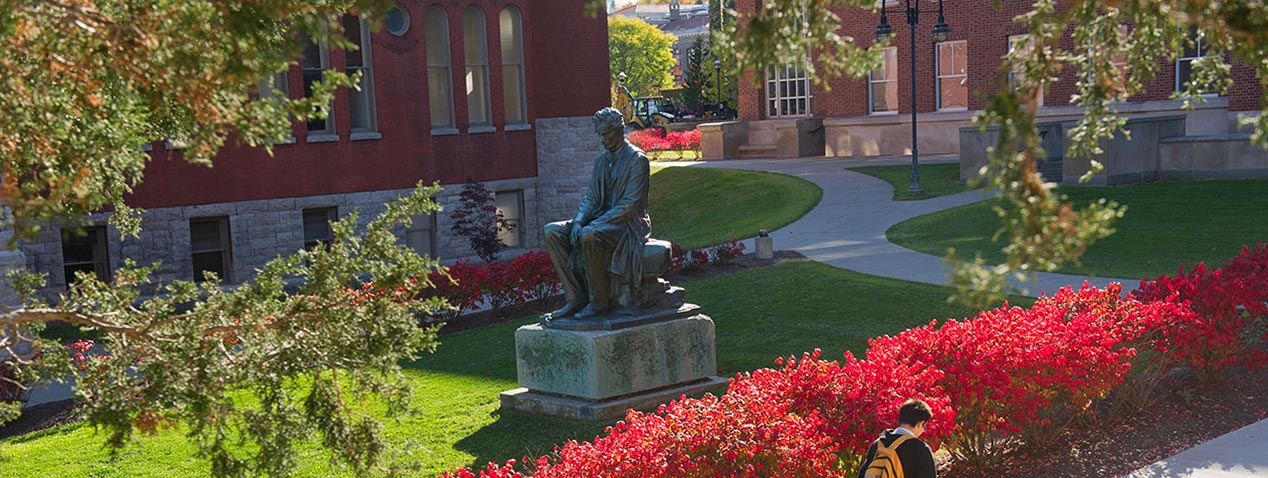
column 986, row 26
column 557, row 85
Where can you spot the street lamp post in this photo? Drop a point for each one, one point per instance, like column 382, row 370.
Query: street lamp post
column 717, row 71
column 940, row 33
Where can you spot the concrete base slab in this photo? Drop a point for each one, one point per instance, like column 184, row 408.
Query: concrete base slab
column 525, row 400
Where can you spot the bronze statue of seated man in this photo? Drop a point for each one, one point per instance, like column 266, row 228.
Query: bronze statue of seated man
column 599, row 255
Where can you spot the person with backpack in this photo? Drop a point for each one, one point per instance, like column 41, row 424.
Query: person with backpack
column 899, row 452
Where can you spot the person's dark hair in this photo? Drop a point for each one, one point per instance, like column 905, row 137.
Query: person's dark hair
column 913, row 412
column 609, row 118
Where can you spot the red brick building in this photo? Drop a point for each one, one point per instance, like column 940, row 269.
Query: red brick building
column 451, row 90
column 953, row 79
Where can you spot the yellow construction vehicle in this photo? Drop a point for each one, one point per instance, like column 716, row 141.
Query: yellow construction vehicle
column 644, row 112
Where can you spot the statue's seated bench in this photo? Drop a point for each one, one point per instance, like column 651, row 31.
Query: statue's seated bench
column 654, row 292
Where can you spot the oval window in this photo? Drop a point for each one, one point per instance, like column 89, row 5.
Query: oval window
column 396, row 20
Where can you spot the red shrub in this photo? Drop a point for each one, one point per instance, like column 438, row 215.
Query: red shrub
column 534, row 276
column 1230, row 311
column 461, row 285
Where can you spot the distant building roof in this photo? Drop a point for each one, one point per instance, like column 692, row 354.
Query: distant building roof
column 687, row 25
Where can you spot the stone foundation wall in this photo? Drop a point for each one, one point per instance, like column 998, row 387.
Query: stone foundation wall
column 566, row 149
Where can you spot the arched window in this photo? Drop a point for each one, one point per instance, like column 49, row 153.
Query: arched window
column 475, row 47
column 511, row 29
column 439, row 78
column 361, row 100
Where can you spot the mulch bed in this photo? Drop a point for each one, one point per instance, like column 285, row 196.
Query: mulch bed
column 1190, row 413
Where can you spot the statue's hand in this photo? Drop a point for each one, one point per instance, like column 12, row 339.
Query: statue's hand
column 574, row 236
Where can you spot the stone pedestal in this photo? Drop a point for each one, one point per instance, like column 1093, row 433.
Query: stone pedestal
column 630, row 362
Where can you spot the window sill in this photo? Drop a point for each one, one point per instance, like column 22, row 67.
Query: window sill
column 364, row 135
column 322, row 138
column 444, row 131
column 952, row 110
column 883, row 113
column 519, row 127
column 483, row 129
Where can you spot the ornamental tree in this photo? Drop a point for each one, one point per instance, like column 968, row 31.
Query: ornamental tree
column 1043, row 229
column 248, row 372
column 642, row 52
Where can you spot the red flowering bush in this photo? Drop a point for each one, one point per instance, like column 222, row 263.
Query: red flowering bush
column 1231, row 309
column 653, row 140
column 1007, row 375
column 460, row 285
column 528, row 277
column 725, row 252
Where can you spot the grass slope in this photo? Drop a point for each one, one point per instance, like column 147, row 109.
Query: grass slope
column 697, row 207
column 936, row 179
column 1167, row 224
column 760, row 314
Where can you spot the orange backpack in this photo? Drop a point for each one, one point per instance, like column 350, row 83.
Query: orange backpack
column 885, row 463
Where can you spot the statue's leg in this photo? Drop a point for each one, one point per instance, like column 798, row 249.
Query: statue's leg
column 559, row 248
column 596, row 249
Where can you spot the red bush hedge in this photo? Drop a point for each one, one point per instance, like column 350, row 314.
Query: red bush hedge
column 1007, row 375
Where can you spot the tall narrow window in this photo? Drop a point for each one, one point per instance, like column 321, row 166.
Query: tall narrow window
column 439, row 79
column 85, row 252
column 883, row 83
column 314, row 61
column 476, row 52
column 317, row 226
column 511, row 30
column 510, row 204
column 787, row 92
column 1196, row 49
column 953, row 75
column 360, row 102
column 209, row 247
column 1024, row 45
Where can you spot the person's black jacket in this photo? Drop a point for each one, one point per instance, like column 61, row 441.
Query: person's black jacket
column 915, row 455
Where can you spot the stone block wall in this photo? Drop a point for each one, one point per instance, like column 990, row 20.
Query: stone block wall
column 566, row 149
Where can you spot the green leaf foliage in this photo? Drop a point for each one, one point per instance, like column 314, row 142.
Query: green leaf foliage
column 292, row 355
column 642, row 52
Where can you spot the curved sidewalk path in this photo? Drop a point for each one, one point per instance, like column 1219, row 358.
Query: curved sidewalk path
column 847, row 228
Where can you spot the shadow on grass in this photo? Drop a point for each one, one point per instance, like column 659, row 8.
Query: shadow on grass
column 515, row 435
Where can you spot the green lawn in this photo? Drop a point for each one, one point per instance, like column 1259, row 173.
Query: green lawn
column 936, row 179
column 697, row 207
column 685, row 155
column 1167, row 224
column 760, row 314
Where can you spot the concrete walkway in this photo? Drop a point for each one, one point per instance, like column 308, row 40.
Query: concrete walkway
column 847, row 230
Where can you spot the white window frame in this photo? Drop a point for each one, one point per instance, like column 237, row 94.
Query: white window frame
column 1197, row 36
column 438, row 67
column 476, row 58
column 963, row 71
column 371, row 128
column 1029, row 45
column 328, row 133
column 888, row 52
column 517, row 82
column 514, row 237
column 779, row 82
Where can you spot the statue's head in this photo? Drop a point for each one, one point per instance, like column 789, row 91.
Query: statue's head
column 610, row 125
